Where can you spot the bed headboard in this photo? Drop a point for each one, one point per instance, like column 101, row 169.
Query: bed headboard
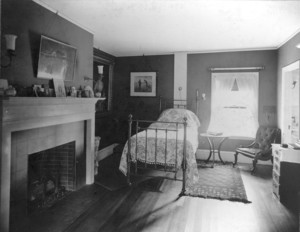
column 165, row 103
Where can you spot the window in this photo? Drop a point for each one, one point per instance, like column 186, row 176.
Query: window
column 234, row 106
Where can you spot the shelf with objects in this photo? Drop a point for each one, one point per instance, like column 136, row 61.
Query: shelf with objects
column 286, row 167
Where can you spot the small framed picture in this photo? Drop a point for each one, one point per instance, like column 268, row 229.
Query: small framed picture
column 59, row 88
column 143, row 84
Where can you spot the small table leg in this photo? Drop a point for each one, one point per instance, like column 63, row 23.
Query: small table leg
column 219, row 149
column 214, row 154
column 212, row 149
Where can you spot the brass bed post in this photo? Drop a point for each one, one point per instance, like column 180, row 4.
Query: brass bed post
column 159, row 105
column 166, row 148
column 184, row 156
column 129, row 149
column 197, row 102
column 176, row 151
column 155, row 147
column 136, row 145
column 146, row 147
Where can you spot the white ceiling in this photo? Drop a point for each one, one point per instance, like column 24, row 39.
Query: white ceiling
column 149, row 27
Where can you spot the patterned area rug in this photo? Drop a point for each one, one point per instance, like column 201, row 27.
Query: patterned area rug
column 222, row 182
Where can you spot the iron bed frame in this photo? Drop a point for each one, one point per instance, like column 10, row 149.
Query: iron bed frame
column 155, row 166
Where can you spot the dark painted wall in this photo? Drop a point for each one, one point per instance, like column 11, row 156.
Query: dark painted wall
column 199, row 77
column 140, row 107
column 287, row 54
column 29, row 21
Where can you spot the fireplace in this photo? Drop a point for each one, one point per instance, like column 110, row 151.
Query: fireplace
column 51, row 176
column 33, row 125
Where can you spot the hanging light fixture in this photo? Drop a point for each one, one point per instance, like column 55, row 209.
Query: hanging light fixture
column 10, row 48
column 235, row 86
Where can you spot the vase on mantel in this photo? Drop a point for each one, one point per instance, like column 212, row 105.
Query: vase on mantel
column 98, row 87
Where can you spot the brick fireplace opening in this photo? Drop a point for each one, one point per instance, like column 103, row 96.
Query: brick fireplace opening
column 38, row 157
column 51, row 176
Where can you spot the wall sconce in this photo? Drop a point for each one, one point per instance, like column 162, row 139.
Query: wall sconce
column 203, row 95
column 298, row 45
column 10, row 48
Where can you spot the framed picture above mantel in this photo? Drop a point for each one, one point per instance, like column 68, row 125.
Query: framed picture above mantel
column 143, row 84
column 57, row 60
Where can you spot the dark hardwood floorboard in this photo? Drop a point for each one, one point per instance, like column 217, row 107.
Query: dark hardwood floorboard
column 135, row 209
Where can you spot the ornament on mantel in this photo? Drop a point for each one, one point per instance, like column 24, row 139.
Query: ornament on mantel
column 99, row 83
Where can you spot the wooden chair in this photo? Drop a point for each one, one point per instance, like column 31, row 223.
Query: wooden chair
column 260, row 148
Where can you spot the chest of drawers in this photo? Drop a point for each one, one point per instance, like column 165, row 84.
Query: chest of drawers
column 286, row 175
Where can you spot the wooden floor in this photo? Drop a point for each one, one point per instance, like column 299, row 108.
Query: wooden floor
column 94, row 209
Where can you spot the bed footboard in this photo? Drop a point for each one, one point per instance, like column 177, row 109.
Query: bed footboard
column 159, row 161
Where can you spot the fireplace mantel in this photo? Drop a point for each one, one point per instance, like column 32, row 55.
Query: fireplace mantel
column 24, row 113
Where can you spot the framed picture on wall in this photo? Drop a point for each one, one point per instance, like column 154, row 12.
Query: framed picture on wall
column 57, row 60
column 59, row 88
column 143, row 84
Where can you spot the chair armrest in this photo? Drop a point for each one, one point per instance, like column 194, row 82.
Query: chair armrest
column 249, row 146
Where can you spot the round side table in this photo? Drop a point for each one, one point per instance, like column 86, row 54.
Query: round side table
column 213, row 149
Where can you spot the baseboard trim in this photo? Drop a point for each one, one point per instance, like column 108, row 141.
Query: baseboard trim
column 228, row 156
column 105, row 152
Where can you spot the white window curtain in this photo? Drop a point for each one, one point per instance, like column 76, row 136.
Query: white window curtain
column 234, row 106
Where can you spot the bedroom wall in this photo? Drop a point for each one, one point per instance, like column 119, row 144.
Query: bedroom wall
column 140, row 107
column 199, row 77
column 29, row 21
column 287, row 54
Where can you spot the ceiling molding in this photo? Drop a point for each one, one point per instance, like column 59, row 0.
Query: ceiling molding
column 234, row 50
column 289, row 38
column 46, row 6
column 203, row 52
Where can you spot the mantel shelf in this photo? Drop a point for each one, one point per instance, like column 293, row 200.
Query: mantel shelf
column 47, row 100
column 21, row 109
